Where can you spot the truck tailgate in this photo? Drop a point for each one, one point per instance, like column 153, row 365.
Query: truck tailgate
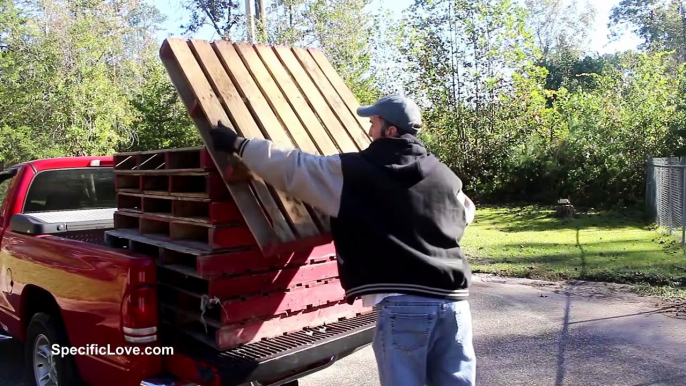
column 270, row 360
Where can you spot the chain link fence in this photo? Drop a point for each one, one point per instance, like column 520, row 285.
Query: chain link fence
column 666, row 195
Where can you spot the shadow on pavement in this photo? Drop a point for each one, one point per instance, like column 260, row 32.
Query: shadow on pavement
column 662, row 381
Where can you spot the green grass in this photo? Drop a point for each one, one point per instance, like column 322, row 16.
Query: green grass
column 600, row 246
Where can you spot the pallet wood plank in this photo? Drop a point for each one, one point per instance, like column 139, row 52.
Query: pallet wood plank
column 296, row 100
column 232, row 335
column 282, row 302
column 338, row 84
column 244, row 124
column 249, row 260
column 270, row 124
column 282, row 279
column 163, row 172
column 181, row 65
column 351, row 125
column 335, row 130
column 277, row 101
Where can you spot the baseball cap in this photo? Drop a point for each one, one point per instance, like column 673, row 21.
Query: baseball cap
column 397, row 110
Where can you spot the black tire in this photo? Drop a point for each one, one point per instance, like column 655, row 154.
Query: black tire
column 46, row 326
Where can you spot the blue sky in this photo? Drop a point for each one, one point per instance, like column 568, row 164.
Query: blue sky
column 176, row 15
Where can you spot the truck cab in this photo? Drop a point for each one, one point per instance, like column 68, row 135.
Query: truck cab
column 62, row 287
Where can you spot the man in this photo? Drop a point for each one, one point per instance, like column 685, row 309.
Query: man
column 397, row 216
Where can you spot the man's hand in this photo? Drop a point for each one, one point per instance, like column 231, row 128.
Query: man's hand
column 224, row 139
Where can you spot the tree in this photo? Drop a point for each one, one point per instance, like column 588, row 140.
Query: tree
column 222, row 15
column 559, row 26
column 69, row 72
column 472, row 67
column 660, row 23
column 575, row 74
column 162, row 119
column 341, row 28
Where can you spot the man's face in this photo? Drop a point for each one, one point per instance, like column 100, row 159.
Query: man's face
column 376, row 129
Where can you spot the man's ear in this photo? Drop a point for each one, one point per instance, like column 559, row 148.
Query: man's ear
column 392, row 131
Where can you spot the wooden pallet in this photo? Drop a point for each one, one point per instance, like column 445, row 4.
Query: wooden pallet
column 253, row 296
column 291, row 96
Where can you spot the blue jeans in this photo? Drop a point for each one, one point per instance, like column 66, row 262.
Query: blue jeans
column 424, row 341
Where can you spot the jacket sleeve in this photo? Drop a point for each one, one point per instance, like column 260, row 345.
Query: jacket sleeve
column 312, row 179
column 469, row 207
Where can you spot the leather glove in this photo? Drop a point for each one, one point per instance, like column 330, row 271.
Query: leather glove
column 224, row 139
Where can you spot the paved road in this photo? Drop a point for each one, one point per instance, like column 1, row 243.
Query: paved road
column 550, row 335
column 536, row 336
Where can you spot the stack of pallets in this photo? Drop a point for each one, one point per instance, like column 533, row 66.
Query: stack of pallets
column 214, row 282
column 237, row 259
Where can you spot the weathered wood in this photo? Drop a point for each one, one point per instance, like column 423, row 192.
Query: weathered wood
column 296, row 99
column 232, row 335
column 351, row 125
column 163, row 172
column 150, row 161
column 260, row 283
column 334, row 128
column 278, row 102
column 275, row 98
column 244, row 125
column 339, row 84
column 281, row 302
column 270, row 124
column 190, row 81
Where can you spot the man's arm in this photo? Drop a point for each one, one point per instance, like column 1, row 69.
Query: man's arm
column 469, row 207
column 315, row 180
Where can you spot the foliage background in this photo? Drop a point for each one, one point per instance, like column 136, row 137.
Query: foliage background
column 513, row 99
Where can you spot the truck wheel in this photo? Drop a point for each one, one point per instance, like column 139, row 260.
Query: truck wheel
column 42, row 367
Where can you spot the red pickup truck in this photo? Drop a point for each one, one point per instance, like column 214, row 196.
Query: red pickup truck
column 62, row 286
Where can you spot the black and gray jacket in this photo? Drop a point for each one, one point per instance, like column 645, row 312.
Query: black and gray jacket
column 397, row 213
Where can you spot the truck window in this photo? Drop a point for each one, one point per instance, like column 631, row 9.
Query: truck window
column 71, row 189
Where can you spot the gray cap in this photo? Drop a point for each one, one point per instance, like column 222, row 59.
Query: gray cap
column 397, row 110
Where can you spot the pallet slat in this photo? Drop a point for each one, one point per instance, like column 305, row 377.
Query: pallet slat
column 350, row 124
column 192, row 234
column 281, row 302
column 195, row 90
column 282, row 279
column 265, row 117
column 233, row 335
column 335, row 129
column 296, row 99
column 339, row 85
column 222, row 87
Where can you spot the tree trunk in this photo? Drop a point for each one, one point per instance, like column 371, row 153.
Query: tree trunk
column 682, row 12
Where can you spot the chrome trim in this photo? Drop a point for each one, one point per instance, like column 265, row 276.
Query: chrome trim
column 144, row 339
column 140, row 331
column 165, row 380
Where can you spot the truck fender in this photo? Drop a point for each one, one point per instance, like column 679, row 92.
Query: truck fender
column 36, row 299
